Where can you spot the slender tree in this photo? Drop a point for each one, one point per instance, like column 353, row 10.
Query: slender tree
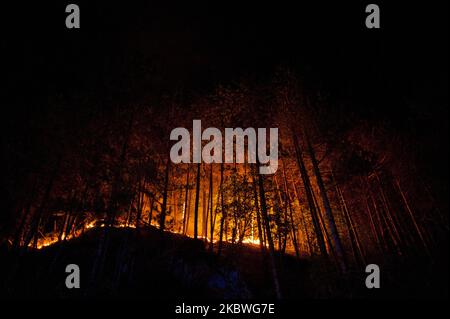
column 197, row 199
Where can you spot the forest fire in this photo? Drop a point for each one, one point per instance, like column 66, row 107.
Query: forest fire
column 224, row 154
column 52, row 239
column 313, row 205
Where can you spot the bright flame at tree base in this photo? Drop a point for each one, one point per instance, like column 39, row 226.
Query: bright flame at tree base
column 54, row 238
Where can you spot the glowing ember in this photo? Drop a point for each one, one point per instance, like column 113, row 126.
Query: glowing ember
column 53, row 239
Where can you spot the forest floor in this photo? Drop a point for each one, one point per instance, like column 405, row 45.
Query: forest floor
column 143, row 263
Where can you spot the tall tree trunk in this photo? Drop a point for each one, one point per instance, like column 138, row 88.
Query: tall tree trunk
column 210, row 206
column 413, row 218
column 309, row 197
column 224, row 214
column 328, row 241
column 205, row 210
column 328, row 212
column 391, row 217
column 291, row 215
column 281, row 232
column 373, row 226
column 102, row 247
column 19, row 233
column 186, row 206
column 384, row 224
column 141, row 199
column 273, row 268
column 354, row 238
column 302, row 220
column 258, row 218
column 150, row 213
column 36, row 221
column 197, row 198
column 162, row 220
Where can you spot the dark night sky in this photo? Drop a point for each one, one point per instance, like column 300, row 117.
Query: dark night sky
column 203, row 44
column 123, row 51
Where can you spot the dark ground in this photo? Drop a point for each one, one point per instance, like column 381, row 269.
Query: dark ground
column 140, row 265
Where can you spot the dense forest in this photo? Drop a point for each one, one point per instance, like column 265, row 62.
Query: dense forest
column 87, row 171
